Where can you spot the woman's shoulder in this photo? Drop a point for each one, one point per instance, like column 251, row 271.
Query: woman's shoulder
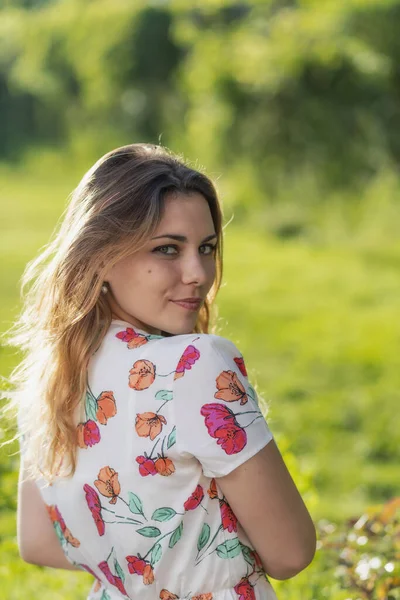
column 129, row 342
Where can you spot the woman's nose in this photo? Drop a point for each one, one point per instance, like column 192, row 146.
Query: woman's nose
column 195, row 270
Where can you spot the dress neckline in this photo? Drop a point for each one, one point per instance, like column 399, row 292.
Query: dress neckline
column 151, row 336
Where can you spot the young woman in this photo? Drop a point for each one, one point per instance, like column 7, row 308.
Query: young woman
column 146, row 459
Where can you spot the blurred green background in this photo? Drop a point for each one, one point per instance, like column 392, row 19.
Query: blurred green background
column 293, row 108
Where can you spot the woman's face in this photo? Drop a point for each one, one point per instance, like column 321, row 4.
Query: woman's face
column 145, row 286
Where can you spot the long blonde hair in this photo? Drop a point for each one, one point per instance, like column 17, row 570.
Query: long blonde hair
column 113, row 211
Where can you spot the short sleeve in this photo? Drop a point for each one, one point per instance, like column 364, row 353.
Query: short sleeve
column 217, row 414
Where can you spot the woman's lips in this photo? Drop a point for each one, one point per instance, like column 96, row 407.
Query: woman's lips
column 187, row 304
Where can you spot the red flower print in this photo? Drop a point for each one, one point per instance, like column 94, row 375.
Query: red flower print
column 244, row 590
column 212, row 490
column 134, row 339
column 229, row 388
column 222, row 425
column 139, row 566
column 142, row 375
column 164, row 466
column 113, row 579
column 194, row 499
column 166, row 595
column 108, row 484
column 231, row 439
column 216, row 416
column 136, row 565
column 106, row 407
column 93, row 502
column 149, row 424
column 88, row 434
column 229, row 520
column 146, row 466
column 240, row 363
column 186, row 361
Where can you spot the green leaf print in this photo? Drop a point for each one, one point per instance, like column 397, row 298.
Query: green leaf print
column 135, row 504
column 59, row 533
column 164, row 395
column 176, row 536
column 203, row 537
column 149, row 531
column 171, row 438
column 247, row 555
column 105, row 596
column 229, row 549
column 163, row 514
column 156, row 554
column 91, row 407
column 253, row 394
column 119, row 571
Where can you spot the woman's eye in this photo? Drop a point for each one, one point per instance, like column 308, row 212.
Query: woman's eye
column 162, row 249
column 211, row 248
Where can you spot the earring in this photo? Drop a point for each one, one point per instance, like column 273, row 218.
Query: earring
column 104, row 289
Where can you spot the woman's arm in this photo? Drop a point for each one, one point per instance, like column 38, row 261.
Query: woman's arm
column 37, row 541
column 264, row 498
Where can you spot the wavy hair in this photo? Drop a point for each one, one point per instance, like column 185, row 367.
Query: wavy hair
column 114, row 210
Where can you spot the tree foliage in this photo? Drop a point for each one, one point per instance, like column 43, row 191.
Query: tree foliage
column 273, row 89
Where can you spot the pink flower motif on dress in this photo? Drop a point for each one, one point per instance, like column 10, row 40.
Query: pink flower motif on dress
column 146, row 466
column 113, row 579
column 88, row 434
column 93, row 502
column 133, row 339
column 222, row 425
column 186, row 361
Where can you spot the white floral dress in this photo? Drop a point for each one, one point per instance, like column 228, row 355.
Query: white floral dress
column 164, row 417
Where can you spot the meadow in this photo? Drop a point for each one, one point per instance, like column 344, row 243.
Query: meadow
column 316, row 318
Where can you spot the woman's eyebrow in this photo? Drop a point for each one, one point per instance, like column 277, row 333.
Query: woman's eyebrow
column 182, row 238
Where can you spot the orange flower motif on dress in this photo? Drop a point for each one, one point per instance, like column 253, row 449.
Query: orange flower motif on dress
column 142, row 375
column 148, row 575
column 166, row 595
column 212, row 490
column 229, row 388
column 108, row 484
column 149, row 424
column 106, row 407
column 208, row 596
column 164, row 466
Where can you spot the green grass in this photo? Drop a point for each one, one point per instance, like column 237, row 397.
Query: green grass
column 318, row 326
